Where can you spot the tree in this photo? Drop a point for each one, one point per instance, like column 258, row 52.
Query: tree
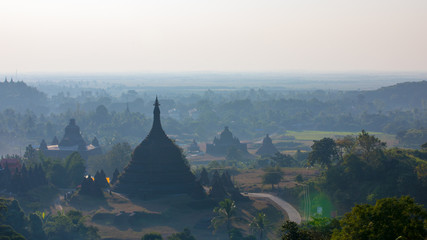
column 101, row 180
column 320, row 227
column 345, row 145
column 282, row 160
column 424, row 146
column 70, row 226
column 324, row 152
column 7, row 232
column 236, row 234
column 204, row 179
column 152, row 236
column 389, row 218
column 36, row 227
column 225, row 213
column 118, row 157
column 259, row 224
column 16, row 218
column 30, row 155
column 13, row 222
column 300, row 157
column 184, row 235
column 368, row 144
column 90, row 188
column 75, row 167
column 291, row 231
column 57, row 174
column 115, row 176
column 272, row 175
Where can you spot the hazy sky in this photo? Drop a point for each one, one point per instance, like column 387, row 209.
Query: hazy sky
column 212, row 35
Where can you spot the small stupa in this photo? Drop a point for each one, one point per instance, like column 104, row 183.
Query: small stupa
column 157, row 168
column 267, row 148
column 194, row 147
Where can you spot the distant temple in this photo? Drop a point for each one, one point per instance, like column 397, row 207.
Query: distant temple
column 267, row 148
column 225, row 141
column 71, row 142
column 194, row 147
column 157, row 168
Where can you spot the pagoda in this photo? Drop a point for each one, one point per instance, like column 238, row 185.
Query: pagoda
column 194, row 147
column 226, row 140
column 71, row 142
column 157, row 168
column 267, row 148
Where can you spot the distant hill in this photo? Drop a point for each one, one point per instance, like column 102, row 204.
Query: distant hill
column 407, row 95
column 20, row 97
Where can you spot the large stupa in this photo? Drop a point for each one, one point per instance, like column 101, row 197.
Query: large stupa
column 158, row 168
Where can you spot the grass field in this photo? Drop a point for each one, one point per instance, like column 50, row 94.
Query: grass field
column 251, row 180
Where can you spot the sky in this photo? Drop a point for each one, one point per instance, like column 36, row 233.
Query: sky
column 221, row 35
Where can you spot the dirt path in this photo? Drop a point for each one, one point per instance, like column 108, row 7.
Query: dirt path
column 292, row 212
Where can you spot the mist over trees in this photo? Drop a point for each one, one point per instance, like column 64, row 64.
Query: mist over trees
column 201, row 113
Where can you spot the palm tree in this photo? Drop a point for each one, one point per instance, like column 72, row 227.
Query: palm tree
column 260, row 224
column 225, row 212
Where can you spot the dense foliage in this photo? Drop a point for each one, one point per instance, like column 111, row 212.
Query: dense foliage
column 389, row 218
column 116, row 158
column 65, row 173
column 368, row 172
column 41, row 226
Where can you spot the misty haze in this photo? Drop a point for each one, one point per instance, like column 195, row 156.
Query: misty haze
column 239, row 120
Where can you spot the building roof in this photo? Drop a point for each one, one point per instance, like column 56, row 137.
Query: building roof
column 11, row 163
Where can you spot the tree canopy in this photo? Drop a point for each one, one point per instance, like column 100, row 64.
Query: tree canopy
column 324, row 152
column 389, row 218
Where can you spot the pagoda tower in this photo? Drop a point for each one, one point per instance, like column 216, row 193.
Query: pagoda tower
column 267, row 148
column 71, row 142
column 158, row 167
column 226, row 140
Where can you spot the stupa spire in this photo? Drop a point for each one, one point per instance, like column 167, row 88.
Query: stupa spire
column 157, row 125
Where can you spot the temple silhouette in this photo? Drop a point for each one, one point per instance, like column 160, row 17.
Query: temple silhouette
column 194, row 147
column 158, row 167
column 267, row 148
column 71, row 142
column 226, row 140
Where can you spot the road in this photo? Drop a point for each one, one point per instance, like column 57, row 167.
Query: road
column 292, row 212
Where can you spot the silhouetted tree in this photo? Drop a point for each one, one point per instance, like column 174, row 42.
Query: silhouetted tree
column 291, row 231
column 152, row 236
column 184, row 235
column 272, row 176
column 204, row 179
column 90, row 188
column 224, row 214
column 115, row 176
column 100, row 179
